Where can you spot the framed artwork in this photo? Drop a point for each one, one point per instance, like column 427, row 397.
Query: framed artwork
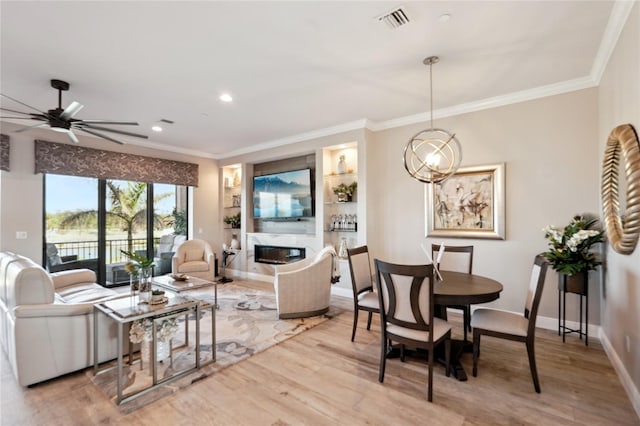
column 470, row 204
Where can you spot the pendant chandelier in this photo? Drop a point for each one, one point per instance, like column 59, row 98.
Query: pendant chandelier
column 432, row 155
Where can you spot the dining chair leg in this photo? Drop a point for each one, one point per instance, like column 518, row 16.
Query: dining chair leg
column 383, row 358
column 369, row 320
column 402, row 352
column 447, row 355
column 476, row 350
column 355, row 323
column 430, row 388
column 532, row 364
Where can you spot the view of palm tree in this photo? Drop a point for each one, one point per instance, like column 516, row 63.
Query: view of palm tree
column 71, row 217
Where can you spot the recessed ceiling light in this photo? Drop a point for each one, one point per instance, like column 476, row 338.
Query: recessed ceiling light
column 156, row 128
column 445, row 17
column 225, row 97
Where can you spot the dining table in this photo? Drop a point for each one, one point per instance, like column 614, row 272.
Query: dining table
column 458, row 288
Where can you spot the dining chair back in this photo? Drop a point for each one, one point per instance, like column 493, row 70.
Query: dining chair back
column 364, row 297
column 405, row 294
column 457, row 259
column 512, row 326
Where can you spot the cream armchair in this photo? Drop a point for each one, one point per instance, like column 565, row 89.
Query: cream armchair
column 195, row 258
column 303, row 289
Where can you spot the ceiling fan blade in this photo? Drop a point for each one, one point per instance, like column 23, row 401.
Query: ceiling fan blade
column 18, row 118
column 81, row 126
column 73, row 108
column 100, row 135
column 72, row 136
column 13, row 110
column 31, row 127
column 21, row 103
column 123, row 123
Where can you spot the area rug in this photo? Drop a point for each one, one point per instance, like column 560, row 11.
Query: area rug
column 246, row 324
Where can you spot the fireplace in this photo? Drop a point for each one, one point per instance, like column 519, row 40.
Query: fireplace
column 277, row 255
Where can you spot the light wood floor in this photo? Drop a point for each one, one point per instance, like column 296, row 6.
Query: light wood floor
column 321, row 378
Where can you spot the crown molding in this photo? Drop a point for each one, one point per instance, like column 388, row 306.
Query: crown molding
column 489, row 103
column 618, row 18
column 301, row 137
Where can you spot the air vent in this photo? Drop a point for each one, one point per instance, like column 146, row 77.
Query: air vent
column 394, row 18
column 164, row 120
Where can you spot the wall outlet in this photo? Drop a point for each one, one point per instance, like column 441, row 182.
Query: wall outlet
column 21, row 235
column 627, row 343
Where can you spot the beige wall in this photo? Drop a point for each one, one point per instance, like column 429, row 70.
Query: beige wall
column 619, row 103
column 545, row 144
column 21, row 195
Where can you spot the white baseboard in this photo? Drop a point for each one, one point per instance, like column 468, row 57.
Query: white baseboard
column 623, row 374
column 340, row 291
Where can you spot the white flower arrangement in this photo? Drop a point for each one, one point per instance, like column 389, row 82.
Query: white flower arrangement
column 141, row 330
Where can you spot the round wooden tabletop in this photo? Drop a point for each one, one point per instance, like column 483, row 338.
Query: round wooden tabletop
column 458, row 288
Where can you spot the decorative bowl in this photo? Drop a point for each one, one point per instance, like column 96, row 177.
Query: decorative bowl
column 179, row 277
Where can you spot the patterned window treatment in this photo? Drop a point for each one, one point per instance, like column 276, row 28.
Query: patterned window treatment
column 4, row 153
column 73, row 160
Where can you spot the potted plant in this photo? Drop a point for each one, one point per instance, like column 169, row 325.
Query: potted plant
column 569, row 248
column 234, row 220
column 141, row 268
column 345, row 192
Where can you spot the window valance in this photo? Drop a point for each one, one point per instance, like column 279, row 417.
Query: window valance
column 65, row 159
column 4, row 152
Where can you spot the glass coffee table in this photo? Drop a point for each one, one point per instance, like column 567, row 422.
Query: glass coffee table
column 126, row 309
column 179, row 286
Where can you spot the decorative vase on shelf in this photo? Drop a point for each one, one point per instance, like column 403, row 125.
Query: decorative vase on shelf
column 235, row 244
column 342, row 251
column 144, row 285
column 342, row 165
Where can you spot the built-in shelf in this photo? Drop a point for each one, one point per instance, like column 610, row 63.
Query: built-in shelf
column 341, row 230
column 328, row 203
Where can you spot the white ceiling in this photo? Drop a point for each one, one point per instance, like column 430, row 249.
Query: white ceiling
column 293, row 68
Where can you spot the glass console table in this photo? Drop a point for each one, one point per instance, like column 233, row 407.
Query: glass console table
column 125, row 310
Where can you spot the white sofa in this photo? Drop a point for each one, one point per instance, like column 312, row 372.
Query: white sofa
column 46, row 320
column 303, row 289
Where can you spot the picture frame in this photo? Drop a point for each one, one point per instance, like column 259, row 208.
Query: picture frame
column 469, row 204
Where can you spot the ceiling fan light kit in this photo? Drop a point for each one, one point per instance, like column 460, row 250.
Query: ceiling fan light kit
column 432, row 155
column 62, row 119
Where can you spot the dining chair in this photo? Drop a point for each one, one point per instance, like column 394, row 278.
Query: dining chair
column 513, row 326
column 364, row 297
column 457, row 259
column 405, row 295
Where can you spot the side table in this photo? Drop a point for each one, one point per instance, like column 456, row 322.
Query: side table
column 577, row 284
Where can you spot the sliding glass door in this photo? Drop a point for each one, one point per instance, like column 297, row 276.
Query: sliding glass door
column 92, row 221
column 71, row 223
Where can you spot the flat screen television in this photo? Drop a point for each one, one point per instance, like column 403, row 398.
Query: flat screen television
column 283, row 195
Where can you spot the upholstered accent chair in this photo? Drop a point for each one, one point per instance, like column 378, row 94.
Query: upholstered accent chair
column 303, row 288
column 457, row 259
column 512, row 326
column 405, row 294
column 195, row 258
column 56, row 263
column 364, row 297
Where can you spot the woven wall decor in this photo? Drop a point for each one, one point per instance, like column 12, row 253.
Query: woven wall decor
column 622, row 230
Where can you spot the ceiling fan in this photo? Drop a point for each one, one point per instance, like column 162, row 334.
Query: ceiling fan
column 62, row 120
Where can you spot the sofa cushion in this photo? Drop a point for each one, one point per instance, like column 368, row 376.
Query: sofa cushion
column 197, row 266
column 28, row 284
column 83, row 293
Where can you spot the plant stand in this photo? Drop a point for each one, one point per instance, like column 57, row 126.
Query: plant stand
column 576, row 284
